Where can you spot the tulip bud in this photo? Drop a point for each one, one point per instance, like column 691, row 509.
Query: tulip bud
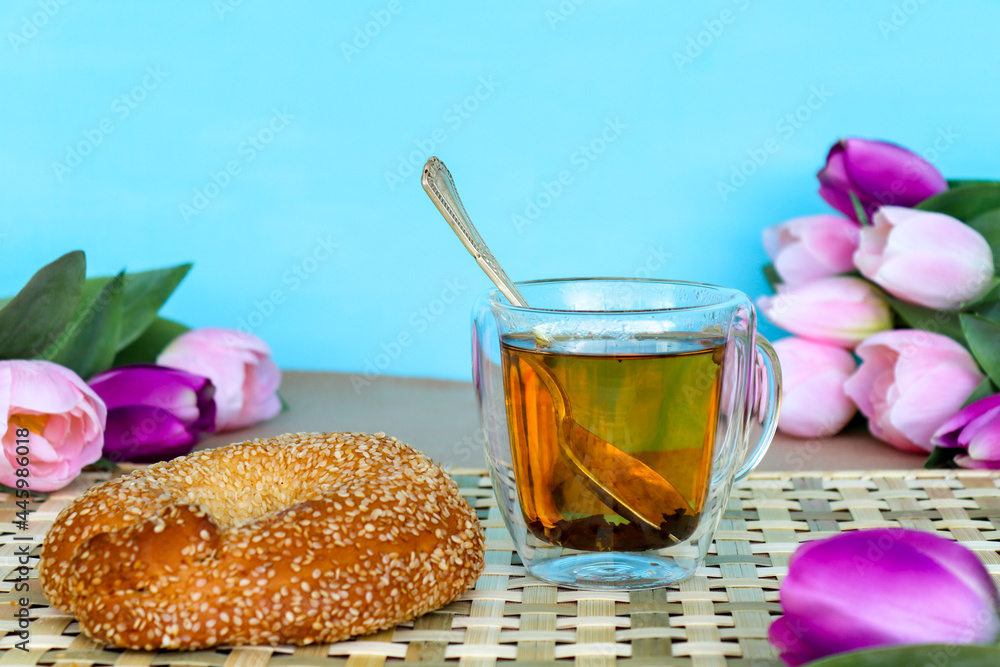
column 882, row 587
column 909, row 383
column 879, row 174
column 154, row 413
column 813, row 402
column 930, row 259
column 840, row 310
column 812, row 247
column 975, row 429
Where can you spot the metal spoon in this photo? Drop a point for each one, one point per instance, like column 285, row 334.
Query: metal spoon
column 440, row 187
column 622, row 482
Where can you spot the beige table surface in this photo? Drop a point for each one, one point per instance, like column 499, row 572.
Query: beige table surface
column 441, row 418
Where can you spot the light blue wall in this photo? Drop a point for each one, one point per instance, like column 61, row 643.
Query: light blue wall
column 910, row 71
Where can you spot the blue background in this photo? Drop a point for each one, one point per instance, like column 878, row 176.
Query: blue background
column 507, row 94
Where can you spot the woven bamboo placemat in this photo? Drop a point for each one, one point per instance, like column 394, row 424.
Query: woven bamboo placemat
column 718, row 617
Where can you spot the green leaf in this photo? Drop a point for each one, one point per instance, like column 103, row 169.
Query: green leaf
column 859, row 210
column 41, row 310
column 983, row 337
column 771, row 275
column 104, row 463
column 961, row 182
column 145, row 293
column 89, row 342
column 989, row 309
column 148, row 346
column 952, row 655
column 942, row 457
column 964, row 202
column 944, row 322
column 988, row 224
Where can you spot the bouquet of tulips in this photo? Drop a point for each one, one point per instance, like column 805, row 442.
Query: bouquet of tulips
column 894, row 305
column 88, row 370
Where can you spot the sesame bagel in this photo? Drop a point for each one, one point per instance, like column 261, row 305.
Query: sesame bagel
column 304, row 538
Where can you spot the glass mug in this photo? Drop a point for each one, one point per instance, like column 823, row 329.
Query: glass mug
column 617, row 415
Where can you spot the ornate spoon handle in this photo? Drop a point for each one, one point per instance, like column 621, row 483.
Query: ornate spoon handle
column 440, row 187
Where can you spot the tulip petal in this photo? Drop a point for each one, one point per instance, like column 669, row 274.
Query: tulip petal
column 817, row 408
column 924, row 278
column 875, row 363
column 891, row 174
column 143, row 434
column 966, row 461
column 795, row 264
column 949, row 433
column 857, row 590
column 984, row 443
column 787, row 636
column 773, row 238
column 835, row 183
column 171, row 389
column 47, row 388
column 923, row 407
column 831, row 239
column 959, row 562
column 240, row 368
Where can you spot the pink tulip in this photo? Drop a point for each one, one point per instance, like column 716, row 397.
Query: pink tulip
column 840, row 310
column 976, row 429
column 909, row 383
column 882, row 587
column 53, row 425
column 239, row 364
column 878, row 173
column 929, row 259
column 813, row 402
column 812, row 247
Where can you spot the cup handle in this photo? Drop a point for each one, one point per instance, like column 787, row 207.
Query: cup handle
column 765, row 404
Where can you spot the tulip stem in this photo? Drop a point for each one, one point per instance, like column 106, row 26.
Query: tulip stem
column 859, row 210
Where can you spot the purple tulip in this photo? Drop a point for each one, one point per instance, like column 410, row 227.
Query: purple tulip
column 154, row 412
column 882, row 587
column 976, row 429
column 878, row 173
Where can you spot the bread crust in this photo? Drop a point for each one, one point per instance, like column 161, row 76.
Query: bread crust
column 300, row 539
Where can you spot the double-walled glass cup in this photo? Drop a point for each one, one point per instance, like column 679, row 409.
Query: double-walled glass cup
column 617, row 415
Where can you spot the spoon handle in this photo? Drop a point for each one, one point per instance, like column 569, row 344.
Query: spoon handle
column 440, row 187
